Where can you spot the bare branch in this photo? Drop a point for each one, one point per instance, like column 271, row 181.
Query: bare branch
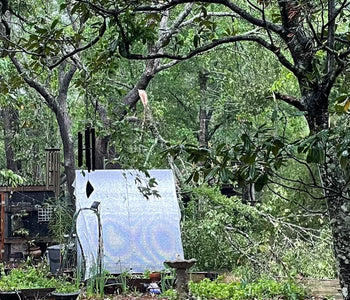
column 166, row 66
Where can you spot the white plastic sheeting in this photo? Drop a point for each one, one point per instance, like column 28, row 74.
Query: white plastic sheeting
column 138, row 233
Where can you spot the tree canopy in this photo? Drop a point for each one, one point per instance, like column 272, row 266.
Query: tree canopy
column 248, row 93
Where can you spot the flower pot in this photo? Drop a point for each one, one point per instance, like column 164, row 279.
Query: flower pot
column 154, row 277
column 65, row 296
column 35, row 252
column 36, row 293
column 11, row 295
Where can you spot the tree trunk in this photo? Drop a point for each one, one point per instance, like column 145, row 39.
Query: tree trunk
column 64, row 124
column 10, row 117
column 204, row 112
column 334, row 184
column 315, row 101
column 338, row 211
column 339, row 219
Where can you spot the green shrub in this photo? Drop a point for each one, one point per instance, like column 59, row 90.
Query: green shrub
column 263, row 288
column 224, row 234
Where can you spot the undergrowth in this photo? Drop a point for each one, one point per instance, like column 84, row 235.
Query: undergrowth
column 263, row 288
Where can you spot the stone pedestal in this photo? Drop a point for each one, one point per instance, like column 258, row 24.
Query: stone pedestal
column 181, row 266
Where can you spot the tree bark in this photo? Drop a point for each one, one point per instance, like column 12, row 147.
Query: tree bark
column 338, row 210
column 205, row 113
column 10, row 117
column 64, row 124
column 335, row 191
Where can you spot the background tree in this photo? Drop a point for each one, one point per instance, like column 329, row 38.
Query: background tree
column 35, row 52
column 308, row 39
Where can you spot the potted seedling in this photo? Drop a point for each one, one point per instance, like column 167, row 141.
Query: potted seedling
column 66, row 290
column 26, row 280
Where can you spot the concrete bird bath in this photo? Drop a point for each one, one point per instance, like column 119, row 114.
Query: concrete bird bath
column 181, row 266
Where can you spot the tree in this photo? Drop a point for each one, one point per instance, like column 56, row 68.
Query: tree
column 309, row 38
column 35, row 52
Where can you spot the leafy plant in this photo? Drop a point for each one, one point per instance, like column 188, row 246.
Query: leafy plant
column 96, row 283
column 263, row 288
column 66, row 287
column 167, row 279
column 27, row 277
column 60, row 222
column 123, row 280
column 171, row 294
column 224, row 234
column 146, row 274
column 11, row 178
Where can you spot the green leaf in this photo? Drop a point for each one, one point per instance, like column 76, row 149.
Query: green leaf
column 315, row 155
column 261, row 182
column 54, row 23
column 278, row 144
column 343, row 162
column 248, row 159
column 196, row 40
column 212, row 173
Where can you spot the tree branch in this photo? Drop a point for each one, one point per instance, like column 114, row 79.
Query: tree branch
column 231, row 5
column 290, row 100
column 210, row 14
column 49, row 98
column 217, row 42
column 89, row 45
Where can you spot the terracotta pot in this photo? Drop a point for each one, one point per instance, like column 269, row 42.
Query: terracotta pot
column 154, row 277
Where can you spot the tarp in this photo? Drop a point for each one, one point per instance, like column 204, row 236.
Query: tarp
column 138, row 234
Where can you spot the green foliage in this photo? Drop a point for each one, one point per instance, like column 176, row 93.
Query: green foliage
column 242, row 148
column 263, row 288
column 64, row 286
column 27, row 277
column 10, row 178
column 225, row 234
column 167, row 281
column 60, row 223
column 170, row 294
column 311, row 260
column 255, row 154
column 96, row 282
column 212, row 230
